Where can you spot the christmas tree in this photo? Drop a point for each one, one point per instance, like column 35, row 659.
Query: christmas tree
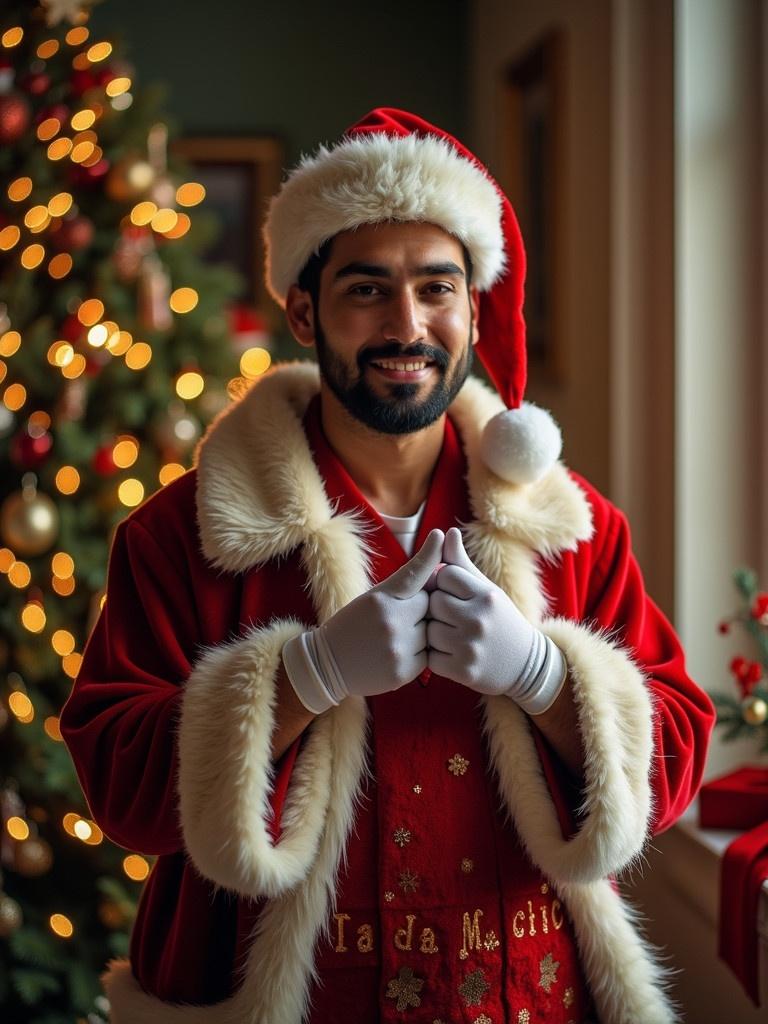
column 114, row 351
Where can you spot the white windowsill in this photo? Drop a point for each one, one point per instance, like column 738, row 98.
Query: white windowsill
column 691, row 859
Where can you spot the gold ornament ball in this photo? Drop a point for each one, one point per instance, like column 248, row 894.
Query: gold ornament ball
column 129, row 179
column 163, row 192
column 111, row 916
column 10, row 916
column 754, row 710
column 33, row 857
column 29, row 524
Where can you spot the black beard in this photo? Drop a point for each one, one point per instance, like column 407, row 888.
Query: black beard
column 400, row 413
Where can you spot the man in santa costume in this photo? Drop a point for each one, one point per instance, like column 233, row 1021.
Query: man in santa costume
column 377, row 681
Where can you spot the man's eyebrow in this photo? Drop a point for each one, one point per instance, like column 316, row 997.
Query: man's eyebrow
column 375, row 270
column 363, row 269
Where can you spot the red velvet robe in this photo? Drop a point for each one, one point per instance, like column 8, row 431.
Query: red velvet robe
column 436, row 882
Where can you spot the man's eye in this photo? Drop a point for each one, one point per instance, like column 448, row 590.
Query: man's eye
column 439, row 288
column 364, row 289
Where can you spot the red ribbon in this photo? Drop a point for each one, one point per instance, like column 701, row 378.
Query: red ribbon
column 745, row 868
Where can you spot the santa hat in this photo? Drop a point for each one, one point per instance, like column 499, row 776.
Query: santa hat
column 394, row 166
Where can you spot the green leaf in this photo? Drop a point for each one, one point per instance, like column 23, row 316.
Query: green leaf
column 32, row 986
column 84, row 986
column 36, row 948
column 119, row 943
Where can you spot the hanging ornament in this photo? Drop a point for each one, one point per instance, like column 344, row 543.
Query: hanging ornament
column 177, row 431
column 82, row 81
column 72, row 234
column 163, row 189
column 34, row 857
column 36, row 83
column 58, row 111
column 81, row 176
column 754, row 710
column 248, row 328
column 129, row 179
column 10, row 916
column 131, row 248
column 103, row 461
column 71, row 329
column 111, row 916
column 75, row 11
column 29, row 520
column 154, row 292
column 14, row 117
column 29, row 451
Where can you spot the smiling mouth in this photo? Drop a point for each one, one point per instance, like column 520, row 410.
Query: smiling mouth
column 402, row 365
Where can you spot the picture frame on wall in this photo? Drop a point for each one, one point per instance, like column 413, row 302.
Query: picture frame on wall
column 533, row 176
column 239, row 174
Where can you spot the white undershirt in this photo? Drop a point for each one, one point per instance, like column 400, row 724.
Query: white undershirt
column 405, row 528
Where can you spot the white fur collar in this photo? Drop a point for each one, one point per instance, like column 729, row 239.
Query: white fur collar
column 259, row 494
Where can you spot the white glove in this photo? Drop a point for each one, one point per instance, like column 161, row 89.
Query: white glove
column 478, row 638
column 374, row 644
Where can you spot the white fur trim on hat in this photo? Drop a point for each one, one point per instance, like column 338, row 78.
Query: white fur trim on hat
column 375, row 178
column 521, row 445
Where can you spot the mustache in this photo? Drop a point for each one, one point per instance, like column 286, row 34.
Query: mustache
column 393, row 351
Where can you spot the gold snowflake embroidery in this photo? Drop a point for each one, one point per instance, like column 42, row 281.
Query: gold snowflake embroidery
column 467, row 866
column 473, row 988
column 544, row 888
column 457, row 765
column 409, row 880
column 482, row 1019
column 548, row 967
column 568, row 997
column 524, row 1017
column 402, row 836
column 389, row 895
column 405, row 989
column 417, row 789
column 491, row 942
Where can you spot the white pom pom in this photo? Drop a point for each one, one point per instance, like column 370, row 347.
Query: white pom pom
column 520, row 445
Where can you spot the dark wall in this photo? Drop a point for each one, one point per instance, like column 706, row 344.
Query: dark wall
column 303, row 71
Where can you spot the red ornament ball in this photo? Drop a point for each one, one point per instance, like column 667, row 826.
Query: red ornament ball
column 73, row 234
column 103, row 461
column 29, row 452
column 71, row 329
column 723, row 627
column 14, row 117
column 37, row 83
column 103, row 76
column 57, row 110
column 86, row 177
column 82, row 81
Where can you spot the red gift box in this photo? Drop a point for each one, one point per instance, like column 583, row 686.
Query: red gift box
column 738, row 800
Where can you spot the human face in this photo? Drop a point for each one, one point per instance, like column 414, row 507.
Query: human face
column 394, row 324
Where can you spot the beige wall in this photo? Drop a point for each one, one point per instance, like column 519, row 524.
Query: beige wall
column 501, row 31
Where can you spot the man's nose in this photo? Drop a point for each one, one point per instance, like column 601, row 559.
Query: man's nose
column 404, row 321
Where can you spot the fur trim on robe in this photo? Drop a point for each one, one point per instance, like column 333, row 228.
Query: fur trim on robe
column 257, row 500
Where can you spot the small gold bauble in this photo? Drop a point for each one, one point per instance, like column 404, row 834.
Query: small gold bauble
column 163, row 192
column 33, row 857
column 111, row 915
column 29, row 524
column 129, row 179
column 754, row 710
column 10, row 916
